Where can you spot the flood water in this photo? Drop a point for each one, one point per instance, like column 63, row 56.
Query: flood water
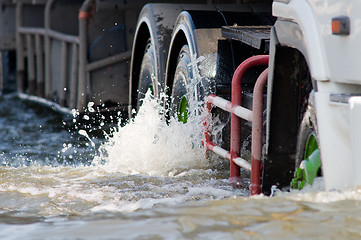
column 147, row 180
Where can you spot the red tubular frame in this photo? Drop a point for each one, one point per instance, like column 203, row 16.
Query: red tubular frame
column 257, row 126
column 257, row 121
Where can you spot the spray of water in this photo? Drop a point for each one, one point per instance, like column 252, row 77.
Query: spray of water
column 149, row 145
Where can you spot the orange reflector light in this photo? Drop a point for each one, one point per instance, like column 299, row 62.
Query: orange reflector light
column 335, row 27
column 341, row 25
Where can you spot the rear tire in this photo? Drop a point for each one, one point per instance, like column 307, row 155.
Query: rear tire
column 179, row 107
column 147, row 73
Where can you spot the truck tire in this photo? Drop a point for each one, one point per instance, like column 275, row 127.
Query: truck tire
column 308, row 162
column 180, row 97
column 155, row 22
column 147, row 72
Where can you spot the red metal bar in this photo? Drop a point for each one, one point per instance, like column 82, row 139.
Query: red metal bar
column 257, row 125
column 206, row 124
column 255, row 116
column 236, row 101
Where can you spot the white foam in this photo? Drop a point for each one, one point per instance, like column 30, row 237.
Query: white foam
column 316, row 193
column 211, row 191
column 148, row 145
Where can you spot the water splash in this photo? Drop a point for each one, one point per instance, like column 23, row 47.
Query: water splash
column 150, row 145
column 85, row 134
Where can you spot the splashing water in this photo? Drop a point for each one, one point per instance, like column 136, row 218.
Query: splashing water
column 148, row 145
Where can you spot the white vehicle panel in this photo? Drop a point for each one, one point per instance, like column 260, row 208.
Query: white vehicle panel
column 331, row 57
column 334, row 143
column 335, row 62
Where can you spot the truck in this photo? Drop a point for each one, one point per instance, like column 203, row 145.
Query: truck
column 290, row 67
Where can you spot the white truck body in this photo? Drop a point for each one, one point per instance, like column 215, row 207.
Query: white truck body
column 335, row 64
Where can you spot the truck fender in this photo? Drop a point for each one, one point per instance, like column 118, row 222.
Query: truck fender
column 291, row 35
column 300, row 30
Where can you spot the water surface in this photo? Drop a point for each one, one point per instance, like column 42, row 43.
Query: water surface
column 147, row 180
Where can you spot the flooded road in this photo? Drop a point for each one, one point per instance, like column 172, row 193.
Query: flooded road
column 147, row 180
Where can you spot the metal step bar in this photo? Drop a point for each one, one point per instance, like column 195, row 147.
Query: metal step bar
column 237, row 113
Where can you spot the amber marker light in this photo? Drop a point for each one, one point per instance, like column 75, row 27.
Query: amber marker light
column 341, row 25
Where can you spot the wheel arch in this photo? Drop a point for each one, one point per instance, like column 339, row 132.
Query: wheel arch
column 290, row 34
column 304, row 30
